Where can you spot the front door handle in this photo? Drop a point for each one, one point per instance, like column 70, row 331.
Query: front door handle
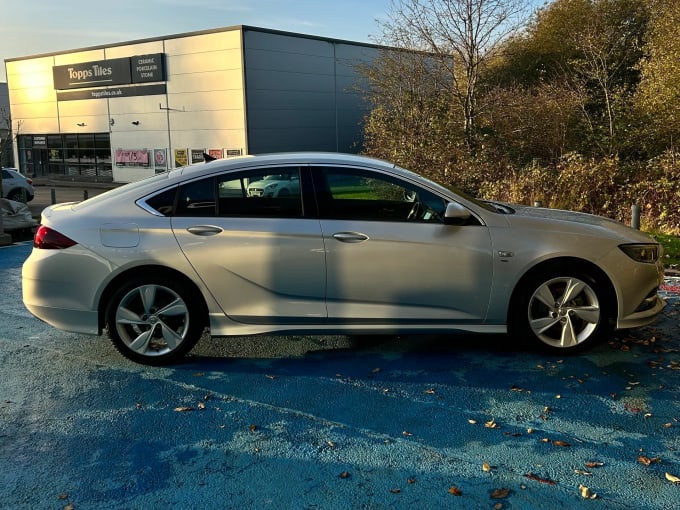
column 350, row 237
column 204, row 230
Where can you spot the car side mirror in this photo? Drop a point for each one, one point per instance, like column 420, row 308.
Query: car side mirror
column 456, row 214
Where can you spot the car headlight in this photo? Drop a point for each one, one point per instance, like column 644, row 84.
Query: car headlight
column 648, row 253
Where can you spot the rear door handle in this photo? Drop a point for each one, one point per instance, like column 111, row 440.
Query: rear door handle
column 204, row 230
column 350, row 237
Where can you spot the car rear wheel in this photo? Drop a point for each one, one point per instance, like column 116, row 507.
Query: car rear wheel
column 154, row 322
column 561, row 311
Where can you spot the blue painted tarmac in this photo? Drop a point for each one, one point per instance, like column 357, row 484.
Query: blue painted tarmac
column 335, row 422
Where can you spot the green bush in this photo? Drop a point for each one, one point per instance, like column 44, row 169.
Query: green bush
column 606, row 187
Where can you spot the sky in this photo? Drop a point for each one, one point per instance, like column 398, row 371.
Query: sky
column 33, row 27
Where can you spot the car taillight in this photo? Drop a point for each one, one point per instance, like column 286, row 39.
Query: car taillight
column 46, row 238
column 29, row 181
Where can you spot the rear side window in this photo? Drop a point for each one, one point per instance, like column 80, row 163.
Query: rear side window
column 271, row 193
column 197, row 198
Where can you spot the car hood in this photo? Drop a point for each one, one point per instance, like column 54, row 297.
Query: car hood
column 568, row 220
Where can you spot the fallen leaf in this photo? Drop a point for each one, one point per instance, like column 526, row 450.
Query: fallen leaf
column 667, row 425
column 648, row 461
column 561, row 443
column 183, row 409
column 491, row 424
column 500, row 493
column 455, row 491
column 486, row 467
column 586, row 492
column 532, row 476
column 201, row 405
column 252, row 427
column 594, row 464
column 472, row 422
column 672, row 478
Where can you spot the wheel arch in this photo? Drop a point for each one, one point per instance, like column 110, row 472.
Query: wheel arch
column 611, row 305
column 150, row 272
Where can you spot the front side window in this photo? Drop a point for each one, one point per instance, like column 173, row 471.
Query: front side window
column 371, row 196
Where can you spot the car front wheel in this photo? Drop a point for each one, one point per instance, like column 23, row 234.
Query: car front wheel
column 154, row 323
column 562, row 311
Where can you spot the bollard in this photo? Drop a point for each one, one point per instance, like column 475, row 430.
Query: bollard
column 85, row 194
column 53, row 196
column 635, row 216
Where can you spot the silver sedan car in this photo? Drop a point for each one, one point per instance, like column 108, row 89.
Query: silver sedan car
column 361, row 246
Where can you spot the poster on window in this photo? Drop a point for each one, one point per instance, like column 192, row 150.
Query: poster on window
column 181, row 157
column 197, row 156
column 132, row 157
column 160, row 160
column 215, row 153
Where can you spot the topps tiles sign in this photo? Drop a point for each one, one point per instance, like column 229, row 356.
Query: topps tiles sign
column 116, row 71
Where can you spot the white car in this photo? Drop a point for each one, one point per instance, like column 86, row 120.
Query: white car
column 16, row 187
column 357, row 246
column 275, row 186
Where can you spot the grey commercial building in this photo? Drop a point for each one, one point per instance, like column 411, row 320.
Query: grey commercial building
column 124, row 111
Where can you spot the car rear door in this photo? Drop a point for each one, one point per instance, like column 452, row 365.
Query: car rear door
column 261, row 258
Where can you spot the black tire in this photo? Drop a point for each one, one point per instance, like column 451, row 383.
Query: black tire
column 16, row 196
column 154, row 321
column 561, row 311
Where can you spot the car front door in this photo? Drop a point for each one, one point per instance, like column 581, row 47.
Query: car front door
column 390, row 257
column 261, row 258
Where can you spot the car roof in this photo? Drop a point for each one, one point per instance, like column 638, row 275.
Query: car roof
column 283, row 158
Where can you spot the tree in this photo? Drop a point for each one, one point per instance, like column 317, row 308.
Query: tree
column 658, row 96
column 591, row 49
column 609, row 47
column 461, row 37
